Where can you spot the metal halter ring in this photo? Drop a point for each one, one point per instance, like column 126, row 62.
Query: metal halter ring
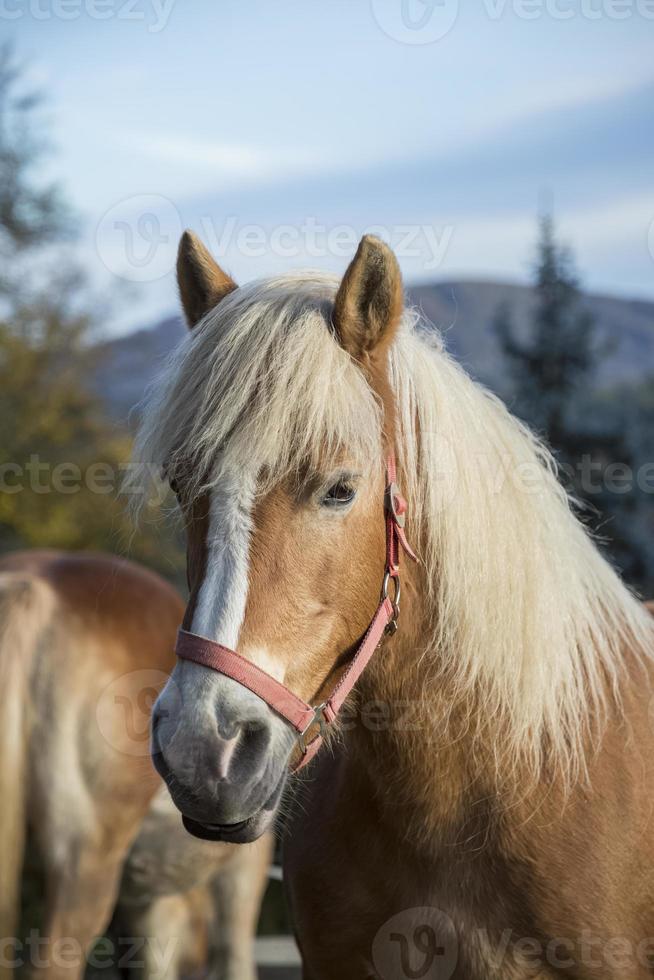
column 319, row 720
column 395, row 579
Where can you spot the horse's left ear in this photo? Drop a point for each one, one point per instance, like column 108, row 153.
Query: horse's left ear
column 202, row 283
column 369, row 301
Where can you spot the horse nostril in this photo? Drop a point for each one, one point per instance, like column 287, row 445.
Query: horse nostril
column 159, row 715
column 240, row 750
column 256, row 734
column 155, row 720
column 229, row 729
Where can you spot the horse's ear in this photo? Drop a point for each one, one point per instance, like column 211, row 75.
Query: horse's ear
column 369, row 301
column 202, row 283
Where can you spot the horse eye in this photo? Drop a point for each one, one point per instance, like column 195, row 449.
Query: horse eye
column 339, row 494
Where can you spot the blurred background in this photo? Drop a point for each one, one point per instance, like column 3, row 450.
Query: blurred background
column 505, row 149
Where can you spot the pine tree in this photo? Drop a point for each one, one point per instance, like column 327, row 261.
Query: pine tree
column 552, row 365
column 560, row 352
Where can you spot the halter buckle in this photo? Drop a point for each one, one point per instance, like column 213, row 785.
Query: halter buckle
column 319, row 720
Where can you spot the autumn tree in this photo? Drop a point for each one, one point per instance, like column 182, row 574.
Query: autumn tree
column 61, row 460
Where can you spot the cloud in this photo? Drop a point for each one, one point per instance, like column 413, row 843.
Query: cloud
column 233, row 163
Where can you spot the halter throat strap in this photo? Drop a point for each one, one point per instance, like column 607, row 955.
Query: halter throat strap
column 311, row 721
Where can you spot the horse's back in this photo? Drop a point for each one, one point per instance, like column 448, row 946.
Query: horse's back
column 132, row 609
column 104, row 583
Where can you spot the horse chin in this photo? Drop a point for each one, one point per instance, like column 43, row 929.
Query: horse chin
column 244, row 832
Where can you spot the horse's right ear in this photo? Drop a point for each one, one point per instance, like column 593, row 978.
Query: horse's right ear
column 202, row 283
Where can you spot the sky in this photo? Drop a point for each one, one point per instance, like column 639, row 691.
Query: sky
column 281, row 132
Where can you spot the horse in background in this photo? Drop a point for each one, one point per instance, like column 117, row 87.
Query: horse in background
column 86, row 641
column 206, row 895
column 489, row 804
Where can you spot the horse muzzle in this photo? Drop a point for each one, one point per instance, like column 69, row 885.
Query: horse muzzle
column 226, row 762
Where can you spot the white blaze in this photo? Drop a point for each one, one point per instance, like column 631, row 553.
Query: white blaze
column 220, row 608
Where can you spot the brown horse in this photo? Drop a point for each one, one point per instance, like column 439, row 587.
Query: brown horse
column 86, row 642
column 488, row 810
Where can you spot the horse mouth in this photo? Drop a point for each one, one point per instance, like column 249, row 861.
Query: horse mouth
column 243, row 832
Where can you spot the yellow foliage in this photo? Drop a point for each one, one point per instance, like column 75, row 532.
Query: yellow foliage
column 61, row 461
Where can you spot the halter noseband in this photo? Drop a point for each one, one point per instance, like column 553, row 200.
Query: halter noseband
column 298, row 713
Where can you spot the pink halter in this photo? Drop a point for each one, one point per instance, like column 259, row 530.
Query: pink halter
column 300, row 715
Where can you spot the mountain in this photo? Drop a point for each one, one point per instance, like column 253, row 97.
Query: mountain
column 127, row 364
column 463, row 310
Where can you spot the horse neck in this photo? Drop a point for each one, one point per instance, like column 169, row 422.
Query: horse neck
column 414, row 735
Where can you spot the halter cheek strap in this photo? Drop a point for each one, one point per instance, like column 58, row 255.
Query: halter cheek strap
column 304, row 717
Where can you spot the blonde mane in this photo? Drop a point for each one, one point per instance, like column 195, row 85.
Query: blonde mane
column 525, row 609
